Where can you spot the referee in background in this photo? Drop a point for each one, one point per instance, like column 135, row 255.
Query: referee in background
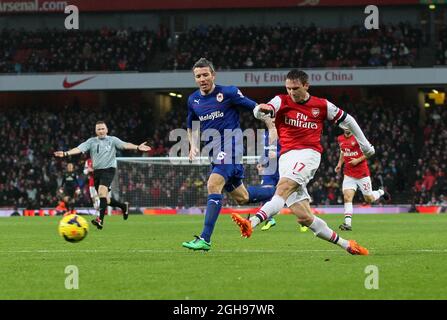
column 102, row 150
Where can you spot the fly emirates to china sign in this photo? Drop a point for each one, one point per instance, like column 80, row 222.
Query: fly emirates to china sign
column 184, row 79
column 341, row 77
column 273, row 78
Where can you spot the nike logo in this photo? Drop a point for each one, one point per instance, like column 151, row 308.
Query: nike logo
column 68, row 85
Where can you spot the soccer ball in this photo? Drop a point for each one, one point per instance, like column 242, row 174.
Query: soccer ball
column 73, row 228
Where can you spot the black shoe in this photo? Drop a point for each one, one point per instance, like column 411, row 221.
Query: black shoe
column 345, row 227
column 126, row 211
column 386, row 196
column 97, row 223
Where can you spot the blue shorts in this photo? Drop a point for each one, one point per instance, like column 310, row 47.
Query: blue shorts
column 270, row 180
column 232, row 173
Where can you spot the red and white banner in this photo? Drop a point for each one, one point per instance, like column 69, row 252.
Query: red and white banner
column 25, row 6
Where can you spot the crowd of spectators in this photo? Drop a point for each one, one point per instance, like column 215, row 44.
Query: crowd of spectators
column 430, row 186
column 243, row 47
column 106, row 49
column 285, row 46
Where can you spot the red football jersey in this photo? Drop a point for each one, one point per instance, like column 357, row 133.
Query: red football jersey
column 89, row 164
column 300, row 125
column 351, row 150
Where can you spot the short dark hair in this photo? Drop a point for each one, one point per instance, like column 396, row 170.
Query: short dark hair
column 203, row 63
column 100, row 122
column 296, row 74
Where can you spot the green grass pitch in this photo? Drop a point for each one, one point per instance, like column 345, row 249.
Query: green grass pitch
column 142, row 258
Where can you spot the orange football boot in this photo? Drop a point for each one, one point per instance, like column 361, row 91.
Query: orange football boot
column 244, row 225
column 356, row 249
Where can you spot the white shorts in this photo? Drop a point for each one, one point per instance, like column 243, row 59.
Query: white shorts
column 93, row 193
column 350, row 183
column 299, row 166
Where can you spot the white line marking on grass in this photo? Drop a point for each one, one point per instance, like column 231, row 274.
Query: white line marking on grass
column 160, row 251
column 163, row 251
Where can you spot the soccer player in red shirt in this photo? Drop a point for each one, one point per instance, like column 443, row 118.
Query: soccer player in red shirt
column 299, row 119
column 356, row 174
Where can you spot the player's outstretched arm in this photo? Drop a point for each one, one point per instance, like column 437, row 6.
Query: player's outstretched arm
column 72, row 152
column 346, row 121
column 262, row 111
column 143, row 147
column 350, row 123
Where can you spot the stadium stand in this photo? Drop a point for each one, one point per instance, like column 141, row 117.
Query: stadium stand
column 430, row 186
column 279, row 46
column 284, row 46
column 47, row 50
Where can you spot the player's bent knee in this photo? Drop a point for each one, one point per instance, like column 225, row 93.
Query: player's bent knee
column 348, row 198
column 243, row 199
column 369, row 199
column 215, row 185
column 285, row 189
column 213, row 189
column 305, row 217
column 306, row 220
column 303, row 213
column 240, row 195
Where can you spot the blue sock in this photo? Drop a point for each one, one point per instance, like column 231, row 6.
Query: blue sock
column 260, row 194
column 213, row 206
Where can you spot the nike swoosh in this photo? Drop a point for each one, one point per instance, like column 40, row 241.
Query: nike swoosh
column 68, row 85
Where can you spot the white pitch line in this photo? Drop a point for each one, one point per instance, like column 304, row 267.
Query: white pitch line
column 215, row 250
column 159, row 251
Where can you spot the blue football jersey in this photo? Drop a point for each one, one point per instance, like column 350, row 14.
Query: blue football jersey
column 270, row 169
column 219, row 110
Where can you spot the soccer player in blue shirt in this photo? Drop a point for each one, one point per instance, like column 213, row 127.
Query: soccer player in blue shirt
column 217, row 109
